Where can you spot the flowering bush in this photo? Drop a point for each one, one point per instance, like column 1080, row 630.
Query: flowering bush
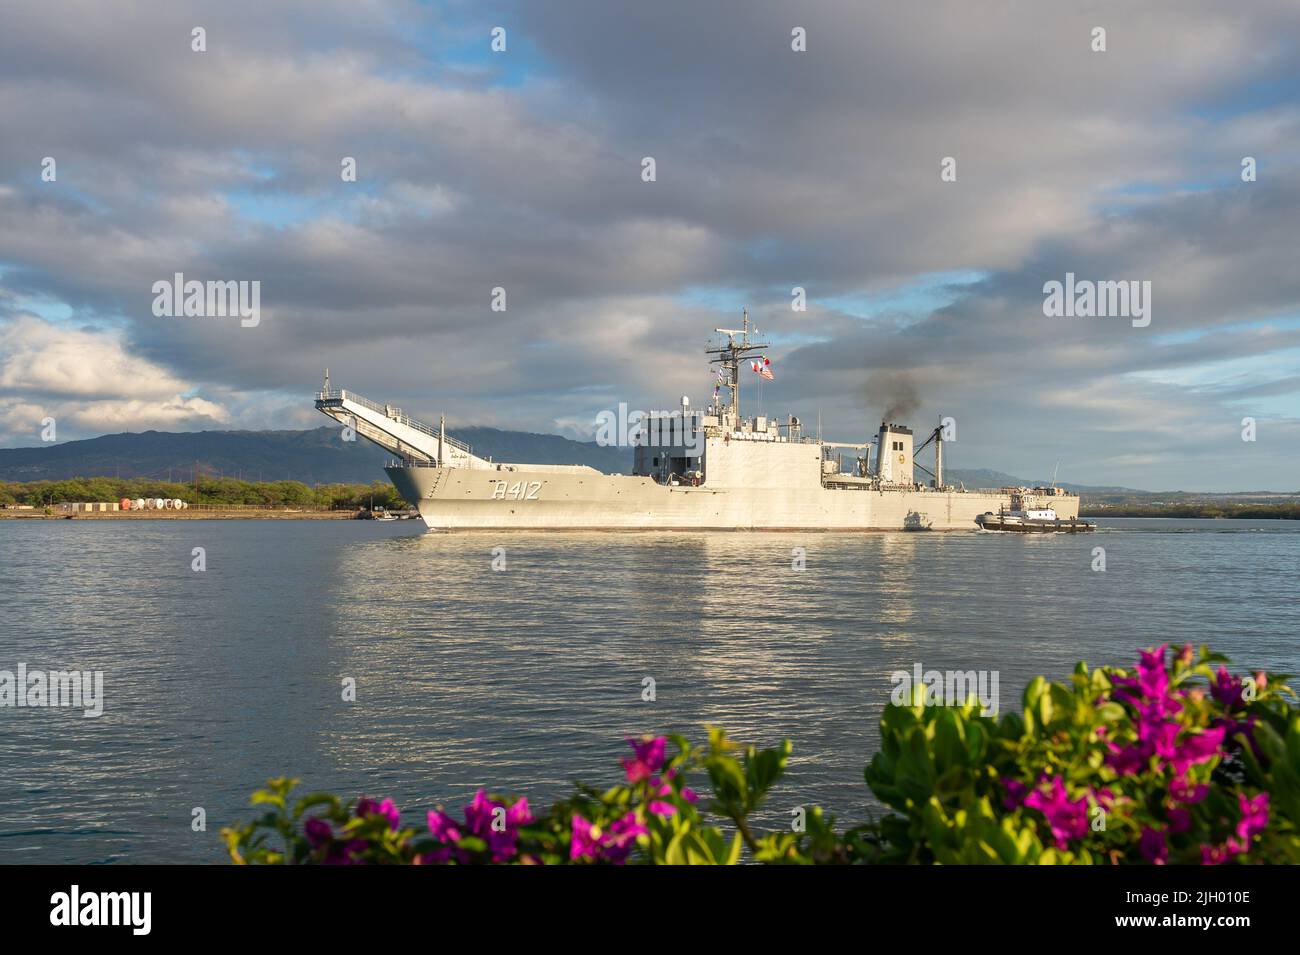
column 1176, row 762
column 652, row 816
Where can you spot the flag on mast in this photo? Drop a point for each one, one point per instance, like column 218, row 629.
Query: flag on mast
column 761, row 366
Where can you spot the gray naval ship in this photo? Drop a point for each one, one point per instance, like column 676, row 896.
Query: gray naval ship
column 692, row 470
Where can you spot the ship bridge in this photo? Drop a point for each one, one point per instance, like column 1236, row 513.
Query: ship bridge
column 413, row 441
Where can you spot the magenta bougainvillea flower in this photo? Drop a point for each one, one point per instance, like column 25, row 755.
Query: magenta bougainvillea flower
column 1153, row 678
column 1254, row 818
column 1127, row 760
column 1215, row 855
column 1180, row 790
column 1153, row 846
column 442, row 827
column 1158, row 735
column 1163, row 743
column 661, row 788
column 1067, row 818
column 644, row 765
column 1016, row 791
column 387, row 808
column 346, row 853
column 483, row 818
column 1227, row 689
column 1194, row 749
column 613, row 844
column 648, row 758
column 318, row 832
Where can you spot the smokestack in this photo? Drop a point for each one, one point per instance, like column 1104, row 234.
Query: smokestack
column 894, row 454
column 938, row 458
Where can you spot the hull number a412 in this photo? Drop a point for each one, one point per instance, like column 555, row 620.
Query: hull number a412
column 518, row 491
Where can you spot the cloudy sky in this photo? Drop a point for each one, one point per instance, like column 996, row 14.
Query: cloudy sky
column 774, row 169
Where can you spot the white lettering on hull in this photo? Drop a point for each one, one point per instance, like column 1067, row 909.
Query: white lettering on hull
column 518, row 491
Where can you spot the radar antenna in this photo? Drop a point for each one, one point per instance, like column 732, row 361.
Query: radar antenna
column 737, row 347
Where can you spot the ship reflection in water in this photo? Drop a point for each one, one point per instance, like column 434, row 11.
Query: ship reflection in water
column 527, row 677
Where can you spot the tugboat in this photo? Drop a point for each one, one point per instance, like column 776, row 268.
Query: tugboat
column 1030, row 520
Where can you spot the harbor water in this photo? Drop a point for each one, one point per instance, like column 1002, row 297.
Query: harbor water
column 520, row 661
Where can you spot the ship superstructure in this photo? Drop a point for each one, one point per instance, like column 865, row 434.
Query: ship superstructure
column 710, row 469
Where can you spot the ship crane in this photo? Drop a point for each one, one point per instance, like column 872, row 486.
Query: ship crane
column 937, row 474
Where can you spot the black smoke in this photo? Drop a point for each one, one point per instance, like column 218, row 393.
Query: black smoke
column 895, row 392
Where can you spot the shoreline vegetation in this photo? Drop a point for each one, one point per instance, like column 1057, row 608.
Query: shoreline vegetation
column 208, row 497
column 1289, row 511
column 1174, row 761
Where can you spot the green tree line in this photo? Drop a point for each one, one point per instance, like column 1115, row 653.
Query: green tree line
column 229, row 492
column 1280, row 511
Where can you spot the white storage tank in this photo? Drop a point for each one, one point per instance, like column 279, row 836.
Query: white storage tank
column 137, row 504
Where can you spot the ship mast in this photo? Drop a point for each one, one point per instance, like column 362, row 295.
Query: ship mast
column 729, row 357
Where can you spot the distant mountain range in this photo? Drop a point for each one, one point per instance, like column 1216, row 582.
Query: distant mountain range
column 320, row 456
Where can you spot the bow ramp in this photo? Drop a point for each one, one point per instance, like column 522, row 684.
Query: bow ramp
column 412, row 441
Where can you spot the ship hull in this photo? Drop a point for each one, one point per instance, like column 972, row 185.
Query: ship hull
column 516, row 497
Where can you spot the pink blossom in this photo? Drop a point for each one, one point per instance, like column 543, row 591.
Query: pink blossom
column 318, row 832
column 1183, row 791
column 387, row 808
column 1254, row 817
column 1067, row 818
column 1215, row 855
column 1153, row 846
column 1227, row 689
column 1197, row 748
column 648, row 758
column 345, row 853
column 609, row 845
column 1015, row 793
column 481, row 820
column 1152, row 676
